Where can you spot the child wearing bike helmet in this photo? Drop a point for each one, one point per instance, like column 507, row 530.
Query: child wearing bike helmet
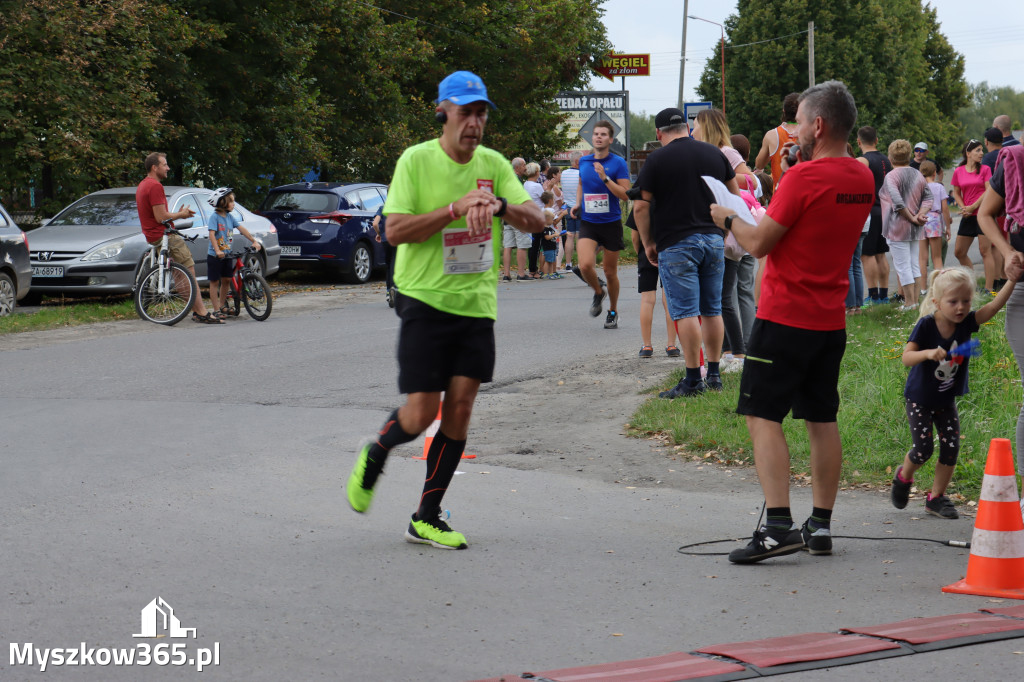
column 219, row 267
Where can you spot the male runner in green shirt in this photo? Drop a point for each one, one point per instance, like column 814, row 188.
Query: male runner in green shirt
column 443, row 210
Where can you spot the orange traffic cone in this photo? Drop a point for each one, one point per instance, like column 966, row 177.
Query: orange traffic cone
column 996, row 565
column 432, row 431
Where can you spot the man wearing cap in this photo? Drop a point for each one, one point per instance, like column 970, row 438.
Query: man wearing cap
column 993, row 143
column 920, row 155
column 604, row 179
column 685, row 243
column 443, row 209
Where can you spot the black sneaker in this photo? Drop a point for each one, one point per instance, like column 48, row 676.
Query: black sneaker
column 714, row 382
column 506, row 278
column 900, row 491
column 595, row 306
column 576, row 271
column 942, row 507
column 818, row 542
column 768, row 542
column 683, row 390
column 612, row 321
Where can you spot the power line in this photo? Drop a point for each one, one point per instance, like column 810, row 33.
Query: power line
column 768, row 40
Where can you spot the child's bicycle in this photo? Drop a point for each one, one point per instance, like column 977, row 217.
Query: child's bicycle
column 248, row 287
column 164, row 291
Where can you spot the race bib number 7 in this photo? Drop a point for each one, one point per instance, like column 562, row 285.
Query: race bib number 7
column 464, row 254
column 595, row 203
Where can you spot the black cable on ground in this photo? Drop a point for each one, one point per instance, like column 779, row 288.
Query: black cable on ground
column 959, row 544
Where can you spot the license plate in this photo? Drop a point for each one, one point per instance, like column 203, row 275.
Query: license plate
column 291, row 250
column 47, row 271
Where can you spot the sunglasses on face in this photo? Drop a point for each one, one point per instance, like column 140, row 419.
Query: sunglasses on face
column 920, row 151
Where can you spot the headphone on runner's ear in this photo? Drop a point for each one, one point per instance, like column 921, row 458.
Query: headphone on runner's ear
column 441, row 116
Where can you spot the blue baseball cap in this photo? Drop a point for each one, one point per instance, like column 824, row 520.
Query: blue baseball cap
column 462, row 87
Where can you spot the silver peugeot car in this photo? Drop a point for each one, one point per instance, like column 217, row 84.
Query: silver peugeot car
column 95, row 245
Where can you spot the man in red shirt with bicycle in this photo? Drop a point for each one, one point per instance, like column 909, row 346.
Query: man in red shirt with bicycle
column 151, row 203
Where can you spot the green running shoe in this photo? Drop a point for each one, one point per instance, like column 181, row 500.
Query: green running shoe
column 359, row 498
column 436, row 533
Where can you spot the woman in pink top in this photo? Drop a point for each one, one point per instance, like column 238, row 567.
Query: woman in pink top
column 969, row 182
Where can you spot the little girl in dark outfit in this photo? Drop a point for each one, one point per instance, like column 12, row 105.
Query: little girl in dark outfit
column 938, row 374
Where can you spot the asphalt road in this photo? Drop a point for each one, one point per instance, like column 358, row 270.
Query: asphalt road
column 218, row 486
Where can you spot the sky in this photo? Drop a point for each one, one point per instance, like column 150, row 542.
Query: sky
column 985, row 32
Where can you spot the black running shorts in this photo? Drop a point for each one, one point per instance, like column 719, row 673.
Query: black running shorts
column 874, row 242
column 434, row 346
column 969, row 227
column 646, row 274
column 608, row 235
column 790, row 368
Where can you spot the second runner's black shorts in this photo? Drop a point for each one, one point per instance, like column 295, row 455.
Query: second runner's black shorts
column 608, row 235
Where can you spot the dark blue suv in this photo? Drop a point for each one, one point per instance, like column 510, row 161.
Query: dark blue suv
column 328, row 224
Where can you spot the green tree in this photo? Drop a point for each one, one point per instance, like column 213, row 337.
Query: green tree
column 252, row 93
column 905, row 76
column 246, row 108
column 986, row 103
column 641, row 129
column 525, row 50
column 77, row 103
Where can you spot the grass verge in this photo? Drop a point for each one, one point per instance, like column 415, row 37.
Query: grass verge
column 58, row 313
column 872, row 421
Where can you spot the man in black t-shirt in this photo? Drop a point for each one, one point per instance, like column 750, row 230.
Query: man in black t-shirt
column 1002, row 122
column 993, row 143
column 687, row 246
column 872, row 258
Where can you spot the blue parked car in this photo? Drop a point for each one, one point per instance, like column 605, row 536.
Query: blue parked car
column 328, row 224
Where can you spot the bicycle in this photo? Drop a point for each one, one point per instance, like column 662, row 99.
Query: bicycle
column 255, row 292
column 164, row 291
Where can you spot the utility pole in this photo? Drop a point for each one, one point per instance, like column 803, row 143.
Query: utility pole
column 810, row 52
column 682, row 53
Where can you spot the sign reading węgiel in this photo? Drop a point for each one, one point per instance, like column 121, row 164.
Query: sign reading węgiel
column 612, row 65
column 583, row 110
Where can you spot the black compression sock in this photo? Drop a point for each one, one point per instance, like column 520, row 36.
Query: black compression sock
column 778, row 518
column 873, row 293
column 820, row 518
column 390, row 436
column 693, row 375
column 442, row 460
column 883, row 293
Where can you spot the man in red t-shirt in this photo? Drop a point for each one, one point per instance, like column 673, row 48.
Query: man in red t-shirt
column 151, row 203
column 812, row 227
